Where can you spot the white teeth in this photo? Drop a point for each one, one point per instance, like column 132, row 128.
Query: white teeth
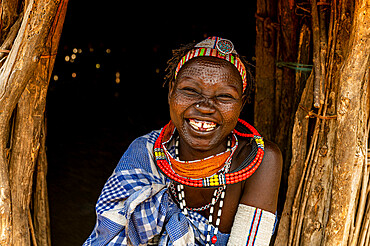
column 202, row 125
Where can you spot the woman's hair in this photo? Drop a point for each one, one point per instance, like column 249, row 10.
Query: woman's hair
column 184, row 49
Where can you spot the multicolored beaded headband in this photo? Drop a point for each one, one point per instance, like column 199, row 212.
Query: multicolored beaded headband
column 216, row 47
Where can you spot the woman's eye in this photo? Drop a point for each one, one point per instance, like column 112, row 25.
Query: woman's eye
column 225, row 97
column 190, row 91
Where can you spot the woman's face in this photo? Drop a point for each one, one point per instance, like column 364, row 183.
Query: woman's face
column 205, row 102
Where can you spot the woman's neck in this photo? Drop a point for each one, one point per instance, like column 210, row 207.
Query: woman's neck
column 187, row 153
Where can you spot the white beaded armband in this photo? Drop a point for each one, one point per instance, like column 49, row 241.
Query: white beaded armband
column 252, row 226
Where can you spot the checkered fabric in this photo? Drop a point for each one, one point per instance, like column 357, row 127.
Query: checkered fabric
column 135, row 205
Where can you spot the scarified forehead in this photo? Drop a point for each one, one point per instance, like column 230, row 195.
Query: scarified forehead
column 212, row 71
column 219, row 48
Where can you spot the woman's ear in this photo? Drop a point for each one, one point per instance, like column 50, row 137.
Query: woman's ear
column 171, row 85
column 244, row 101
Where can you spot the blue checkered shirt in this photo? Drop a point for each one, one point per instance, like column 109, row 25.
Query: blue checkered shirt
column 135, row 207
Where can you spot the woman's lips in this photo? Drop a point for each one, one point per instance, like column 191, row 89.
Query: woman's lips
column 202, row 125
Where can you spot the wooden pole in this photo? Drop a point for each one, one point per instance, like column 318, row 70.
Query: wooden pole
column 329, row 204
column 350, row 150
column 266, row 29
column 24, row 81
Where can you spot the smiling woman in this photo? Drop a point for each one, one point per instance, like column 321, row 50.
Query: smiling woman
column 207, row 92
column 207, row 177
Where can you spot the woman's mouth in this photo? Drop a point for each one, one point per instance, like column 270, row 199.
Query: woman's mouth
column 201, row 125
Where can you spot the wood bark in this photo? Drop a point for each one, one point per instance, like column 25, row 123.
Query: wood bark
column 276, row 98
column 41, row 213
column 299, row 138
column 350, row 151
column 329, row 205
column 266, row 29
column 24, row 81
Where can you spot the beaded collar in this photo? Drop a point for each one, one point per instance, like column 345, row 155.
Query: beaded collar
column 219, row 163
column 244, row 171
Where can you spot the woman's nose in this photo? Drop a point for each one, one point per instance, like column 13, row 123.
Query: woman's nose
column 206, row 106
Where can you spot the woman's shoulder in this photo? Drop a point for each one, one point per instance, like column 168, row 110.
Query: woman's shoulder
column 262, row 188
column 141, row 142
column 273, row 157
column 139, row 152
column 272, row 154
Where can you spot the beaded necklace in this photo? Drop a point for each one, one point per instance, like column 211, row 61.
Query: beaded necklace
column 219, row 193
column 244, row 171
column 204, row 167
column 221, row 178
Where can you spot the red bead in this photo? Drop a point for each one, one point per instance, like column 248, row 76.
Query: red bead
column 214, row 239
column 230, row 178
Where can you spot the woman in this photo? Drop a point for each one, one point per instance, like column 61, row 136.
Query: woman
column 207, row 177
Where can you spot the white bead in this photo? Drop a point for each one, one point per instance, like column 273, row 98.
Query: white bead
column 213, row 201
column 218, row 222
column 223, row 194
column 210, row 218
column 221, row 203
column 215, row 231
column 208, row 238
column 211, row 210
column 219, row 213
column 215, row 193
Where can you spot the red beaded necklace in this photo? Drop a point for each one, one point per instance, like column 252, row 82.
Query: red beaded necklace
column 244, row 171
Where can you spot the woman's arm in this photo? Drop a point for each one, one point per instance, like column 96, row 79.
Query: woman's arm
column 255, row 219
column 261, row 190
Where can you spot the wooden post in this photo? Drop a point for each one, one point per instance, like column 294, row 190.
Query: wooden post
column 329, row 205
column 265, row 67
column 353, row 116
column 24, row 80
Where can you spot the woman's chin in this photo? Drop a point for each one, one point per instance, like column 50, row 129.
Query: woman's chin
column 203, row 142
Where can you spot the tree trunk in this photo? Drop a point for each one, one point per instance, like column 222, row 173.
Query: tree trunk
column 24, row 80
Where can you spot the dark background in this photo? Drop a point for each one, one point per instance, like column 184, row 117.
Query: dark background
column 92, row 117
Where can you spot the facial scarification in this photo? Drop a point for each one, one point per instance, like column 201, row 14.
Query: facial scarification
column 205, row 102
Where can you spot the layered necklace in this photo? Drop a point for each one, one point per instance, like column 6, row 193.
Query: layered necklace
column 213, row 171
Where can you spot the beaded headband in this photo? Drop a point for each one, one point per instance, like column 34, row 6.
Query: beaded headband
column 216, row 47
